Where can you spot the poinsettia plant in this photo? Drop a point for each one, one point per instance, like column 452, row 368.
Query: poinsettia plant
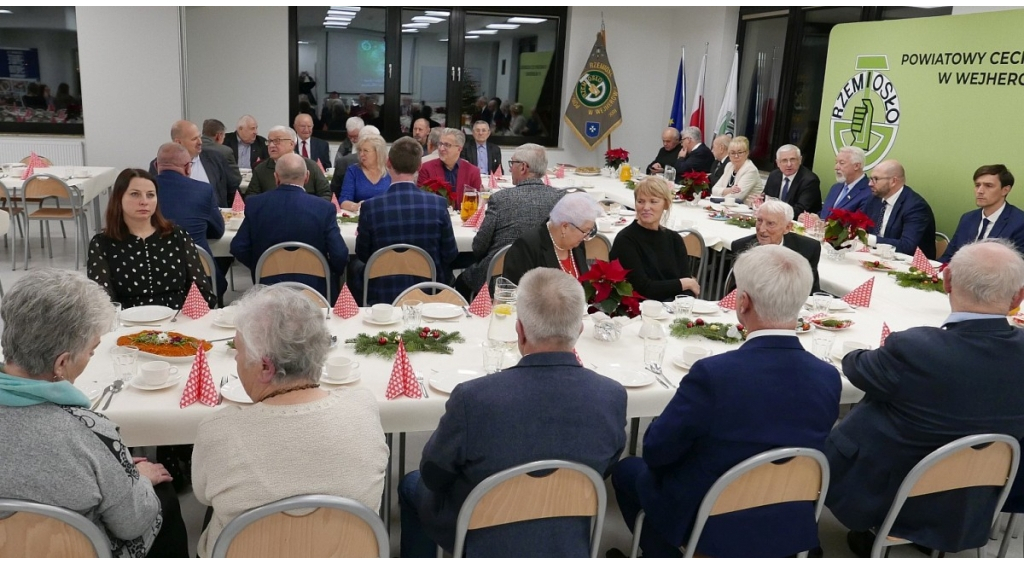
column 441, row 188
column 694, row 186
column 615, row 157
column 607, row 290
column 843, row 225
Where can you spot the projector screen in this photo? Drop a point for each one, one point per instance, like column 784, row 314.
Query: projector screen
column 355, row 62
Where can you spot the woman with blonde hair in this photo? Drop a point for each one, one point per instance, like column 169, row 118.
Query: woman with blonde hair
column 367, row 178
column 740, row 179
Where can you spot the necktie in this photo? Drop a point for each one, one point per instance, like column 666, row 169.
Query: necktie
column 984, row 227
column 881, row 219
column 842, row 196
column 305, row 154
column 785, row 190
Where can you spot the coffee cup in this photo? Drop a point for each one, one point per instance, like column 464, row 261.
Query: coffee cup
column 885, row 251
column 155, row 373
column 340, row 368
column 652, row 308
column 693, row 354
column 850, row 346
column 226, row 316
column 604, row 225
column 729, row 200
column 382, row 312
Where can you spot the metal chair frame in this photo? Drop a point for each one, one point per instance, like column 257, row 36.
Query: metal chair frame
column 54, row 187
column 97, row 539
column 598, row 248
column 16, row 213
column 209, row 267
column 308, row 291
column 293, row 262
column 395, row 256
column 702, row 253
column 941, row 243
column 444, row 294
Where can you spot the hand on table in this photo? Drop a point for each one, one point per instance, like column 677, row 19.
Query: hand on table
column 732, row 190
column 656, row 167
column 691, row 285
column 156, row 472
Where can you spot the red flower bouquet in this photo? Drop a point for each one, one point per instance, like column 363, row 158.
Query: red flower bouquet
column 695, row 185
column 843, row 225
column 615, row 157
column 607, row 290
column 441, row 188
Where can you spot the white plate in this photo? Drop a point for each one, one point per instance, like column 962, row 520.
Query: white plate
column 146, row 314
column 172, row 381
column 705, row 307
column 578, row 173
column 626, row 212
column 171, row 359
column 680, row 363
column 823, row 328
column 234, row 391
column 836, row 305
column 904, row 257
column 353, row 376
column 441, row 311
column 447, row 382
column 396, row 316
column 218, row 318
column 628, row 377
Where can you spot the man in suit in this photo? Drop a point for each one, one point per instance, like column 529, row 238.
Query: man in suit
column 994, row 218
column 510, row 213
column 720, row 150
column 545, row 407
column 902, row 217
column 482, row 153
column 723, row 414
column 281, row 141
column 250, row 148
column 774, row 227
column 926, row 387
column 433, row 140
column 694, row 155
column 309, row 147
column 404, row 214
column 209, row 167
column 851, row 190
column 668, row 153
column 449, row 166
column 794, row 183
column 213, row 141
column 352, row 128
column 420, row 132
column 288, row 213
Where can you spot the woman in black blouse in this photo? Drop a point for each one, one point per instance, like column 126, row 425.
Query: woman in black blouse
column 656, row 257
column 141, row 258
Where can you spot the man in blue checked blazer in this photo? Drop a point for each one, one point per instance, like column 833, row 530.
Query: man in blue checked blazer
column 995, row 218
column 404, row 214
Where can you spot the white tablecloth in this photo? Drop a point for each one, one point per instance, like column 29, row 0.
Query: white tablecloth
column 99, row 180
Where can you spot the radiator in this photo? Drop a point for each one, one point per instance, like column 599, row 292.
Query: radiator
column 61, row 152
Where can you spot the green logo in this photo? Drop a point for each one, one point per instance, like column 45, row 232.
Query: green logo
column 866, row 112
column 593, row 89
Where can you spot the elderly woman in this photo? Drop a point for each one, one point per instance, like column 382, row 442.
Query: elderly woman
column 57, row 450
column 296, row 438
column 556, row 243
column 659, row 266
column 518, row 125
column 774, row 227
column 141, row 258
column 369, row 177
column 740, row 179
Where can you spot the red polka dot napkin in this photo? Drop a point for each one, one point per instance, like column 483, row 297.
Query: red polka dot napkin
column 560, row 171
column 346, row 306
column 808, row 220
column 728, row 302
column 476, row 219
column 921, row 263
column 861, row 295
column 403, row 379
column 195, row 304
column 492, row 183
column 238, row 205
column 199, row 386
column 34, row 162
column 885, row 334
column 481, row 305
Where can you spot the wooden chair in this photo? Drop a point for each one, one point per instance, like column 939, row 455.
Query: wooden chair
column 208, row 267
column 974, row 461
column 598, row 248
column 337, row 527
column 293, row 257
column 781, row 475
column 309, row 292
column 497, row 264
column 513, row 495
column 36, row 530
column 43, row 187
column 941, row 243
column 697, row 250
column 441, row 293
column 46, row 162
column 396, row 260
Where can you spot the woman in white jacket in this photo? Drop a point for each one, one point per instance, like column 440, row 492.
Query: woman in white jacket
column 740, row 179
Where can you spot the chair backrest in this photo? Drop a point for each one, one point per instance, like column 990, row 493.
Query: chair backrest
column 49, row 186
column 497, row 265
column 36, row 530
column 46, row 162
column 512, row 495
column 941, row 242
column 439, row 293
column 696, row 248
column 337, row 527
column 293, row 257
column 5, row 222
column 208, row 267
column 598, row 248
column 398, row 259
column 307, row 291
column 977, row 460
column 777, row 476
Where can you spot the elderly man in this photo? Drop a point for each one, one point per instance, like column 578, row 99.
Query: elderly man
column 213, row 141
column 483, row 153
column 281, row 142
column 310, row 147
column 208, row 167
column 189, row 203
column 668, row 153
column 902, row 217
column 994, row 218
column 694, row 156
column 547, row 406
column 342, row 163
column 925, row 387
column 249, row 147
column 352, row 128
column 510, row 213
column 721, row 416
column 851, row 190
column 794, row 183
column 433, row 140
column 289, row 213
column 420, row 132
column 450, row 167
column 774, row 227
column 720, row 150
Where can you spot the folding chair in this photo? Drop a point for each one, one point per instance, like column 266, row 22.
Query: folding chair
column 293, row 257
column 309, row 292
column 208, row 267
column 697, row 250
column 941, row 243
column 598, row 248
column 42, row 187
column 16, row 213
column 37, row 530
column 440, row 293
column 398, row 260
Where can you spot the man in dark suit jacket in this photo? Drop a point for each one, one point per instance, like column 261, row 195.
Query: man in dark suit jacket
column 720, row 150
column 902, row 217
column 282, row 142
column 450, row 167
column 207, row 166
column 721, row 415
column 794, row 183
column 404, row 214
column 482, row 146
column 213, row 142
column 249, row 148
column 926, row 387
column 774, row 227
column 188, row 203
column 545, row 407
column 310, row 147
column 288, row 213
column 992, row 183
column 852, row 190
column 668, row 154
column 694, row 156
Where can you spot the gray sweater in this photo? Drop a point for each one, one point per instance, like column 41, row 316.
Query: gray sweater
column 74, row 458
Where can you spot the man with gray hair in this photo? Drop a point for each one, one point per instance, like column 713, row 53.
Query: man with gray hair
column 774, row 227
column 794, row 183
column 694, row 156
column 925, row 387
column 209, row 167
column 720, row 150
column 668, row 153
column 851, row 191
column 450, row 167
column 352, row 128
column 545, row 407
column 721, row 415
column 281, row 141
column 510, row 213
column 249, row 147
column 433, row 140
column 483, row 152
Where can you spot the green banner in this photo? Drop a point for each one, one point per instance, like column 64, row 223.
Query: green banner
column 593, row 111
column 533, row 69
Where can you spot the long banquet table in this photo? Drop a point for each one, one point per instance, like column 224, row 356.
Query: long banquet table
column 95, row 180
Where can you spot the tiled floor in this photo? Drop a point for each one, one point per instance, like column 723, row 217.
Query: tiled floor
column 616, row 534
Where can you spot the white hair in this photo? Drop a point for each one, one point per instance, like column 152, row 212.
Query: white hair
column 855, row 154
column 776, row 279
column 354, row 123
column 535, row 158
column 368, row 130
column 777, row 208
column 692, row 132
column 244, row 120
column 988, row 272
column 577, row 209
column 460, row 137
column 550, row 305
column 785, row 148
column 284, row 129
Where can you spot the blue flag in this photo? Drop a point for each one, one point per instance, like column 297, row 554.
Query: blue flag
column 676, row 114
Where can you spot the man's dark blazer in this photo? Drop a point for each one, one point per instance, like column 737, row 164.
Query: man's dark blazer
column 700, row 159
column 191, row 205
column 534, row 249
column 911, row 223
column 219, row 174
column 807, row 247
column 717, row 169
column 1010, row 225
column 852, row 202
column 257, row 153
column 665, row 157
column 804, row 191
column 724, row 412
column 493, row 155
column 545, row 407
column 212, row 146
column 319, row 151
column 926, row 387
column 288, row 213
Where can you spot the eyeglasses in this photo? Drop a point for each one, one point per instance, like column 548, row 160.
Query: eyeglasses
column 878, row 178
column 587, row 235
column 512, row 163
column 279, row 141
column 446, row 145
column 737, row 153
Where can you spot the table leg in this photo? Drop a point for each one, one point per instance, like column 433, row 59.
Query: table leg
column 634, row 434
column 401, row 455
column 385, row 503
column 96, row 212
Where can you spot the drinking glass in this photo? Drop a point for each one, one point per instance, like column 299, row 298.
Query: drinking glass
column 117, row 316
column 821, row 301
column 613, row 210
column 821, row 344
column 494, row 355
column 124, row 359
column 654, row 350
column 470, row 200
column 411, row 312
column 670, row 174
column 683, row 306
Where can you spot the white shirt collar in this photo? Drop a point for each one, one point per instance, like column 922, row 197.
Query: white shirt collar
column 995, row 215
column 772, row 333
column 854, row 183
column 891, row 200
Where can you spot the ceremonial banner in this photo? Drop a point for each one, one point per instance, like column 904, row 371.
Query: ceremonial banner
column 726, row 122
column 593, row 110
column 697, row 116
column 678, row 109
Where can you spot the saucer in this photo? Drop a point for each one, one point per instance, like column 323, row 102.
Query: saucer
column 173, row 380
column 396, row 316
column 353, row 376
column 680, row 363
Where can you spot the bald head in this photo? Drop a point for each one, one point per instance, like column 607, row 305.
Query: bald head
column 291, row 169
column 303, row 125
column 670, row 138
column 172, row 157
column 887, row 178
column 420, row 130
column 186, row 134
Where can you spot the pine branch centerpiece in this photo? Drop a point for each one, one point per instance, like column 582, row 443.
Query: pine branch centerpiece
column 714, row 331
column 607, row 290
column 694, row 186
column 919, row 279
column 420, row 339
column 744, row 221
column 441, row 188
